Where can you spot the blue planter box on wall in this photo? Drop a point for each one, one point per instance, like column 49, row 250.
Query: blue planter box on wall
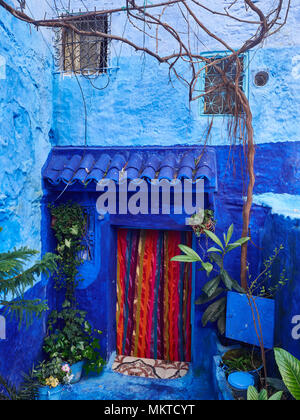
column 239, row 319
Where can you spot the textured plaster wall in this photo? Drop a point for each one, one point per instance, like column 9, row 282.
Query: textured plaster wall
column 25, row 121
column 140, row 107
column 284, row 229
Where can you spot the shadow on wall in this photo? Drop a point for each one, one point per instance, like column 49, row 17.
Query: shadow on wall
column 286, row 231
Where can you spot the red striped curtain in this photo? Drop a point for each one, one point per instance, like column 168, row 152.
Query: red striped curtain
column 153, row 295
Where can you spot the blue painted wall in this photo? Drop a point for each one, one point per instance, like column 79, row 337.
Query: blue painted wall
column 142, row 108
column 139, row 107
column 282, row 226
column 25, row 121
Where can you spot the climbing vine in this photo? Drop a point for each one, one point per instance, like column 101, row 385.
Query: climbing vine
column 69, row 222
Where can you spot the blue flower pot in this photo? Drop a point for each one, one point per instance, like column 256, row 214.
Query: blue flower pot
column 240, row 323
column 50, row 394
column 76, row 370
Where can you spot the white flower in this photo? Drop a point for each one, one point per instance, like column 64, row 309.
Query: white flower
column 66, row 368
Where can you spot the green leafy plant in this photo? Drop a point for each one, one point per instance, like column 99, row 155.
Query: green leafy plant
column 69, row 222
column 16, row 277
column 242, row 360
column 222, row 282
column 28, row 389
column 71, row 339
column 289, row 368
column 254, row 395
column 50, row 369
column 201, row 221
column 260, row 286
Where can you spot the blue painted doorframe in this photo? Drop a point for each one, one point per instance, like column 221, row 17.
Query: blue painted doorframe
column 97, row 293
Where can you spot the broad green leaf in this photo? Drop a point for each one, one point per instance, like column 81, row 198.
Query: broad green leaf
column 252, row 394
column 237, row 287
column 184, row 258
column 229, row 234
column 214, row 238
column 237, row 243
column 276, row 397
column 189, row 251
column 241, row 241
column 224, row 237
column 68, row 243
column 214, row 311
column 230, row 247
column 205, row 299
column 222, row 324
column 263, row 395
column 226, row 279
column 213, row 249
column 211, row 286
column 207, row 267
column 277, row 384
column 289, row 368
column 216, row 258
column 74, row 230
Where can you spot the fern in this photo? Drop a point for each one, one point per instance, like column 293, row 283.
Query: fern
column 16, row 277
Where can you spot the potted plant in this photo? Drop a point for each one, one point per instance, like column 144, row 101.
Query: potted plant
column 288, row 387
column 242, row 360
column 71, row 338
column 214, row 290
column 51, row 377
column 250, row 317
column 201, row 221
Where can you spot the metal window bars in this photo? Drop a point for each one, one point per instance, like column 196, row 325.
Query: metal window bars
column 84, row 54
column 220, row 100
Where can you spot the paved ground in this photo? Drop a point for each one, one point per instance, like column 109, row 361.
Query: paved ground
column 110, row 385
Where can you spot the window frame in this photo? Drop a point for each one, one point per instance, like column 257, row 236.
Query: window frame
column 64, row 41
column 202, row 79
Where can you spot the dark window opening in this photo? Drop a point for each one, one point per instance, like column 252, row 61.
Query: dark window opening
column 220, row 100
column 86, row 53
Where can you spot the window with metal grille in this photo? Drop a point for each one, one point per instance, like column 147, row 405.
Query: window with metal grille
column 86, row 53
column 221, row 101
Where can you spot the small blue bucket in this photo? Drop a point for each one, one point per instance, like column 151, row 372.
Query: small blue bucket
column 239, row 382
column 50, row 394
column 76, row 371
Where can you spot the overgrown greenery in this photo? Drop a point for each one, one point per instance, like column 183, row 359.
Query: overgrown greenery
column 254, row 395
column 241, row 360
column 75, row 340
column 69, row 222
column 201, row 221
column 261, row 286
column 16, row 277
column 27, row 390
column 289, row 368
column 70, row 337
column 221, row 282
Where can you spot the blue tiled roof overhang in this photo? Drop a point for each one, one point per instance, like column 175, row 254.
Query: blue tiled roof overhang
column 84, row 166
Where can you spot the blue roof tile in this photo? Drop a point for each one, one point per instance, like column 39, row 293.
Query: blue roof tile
column 71, row 165
column 185, row 172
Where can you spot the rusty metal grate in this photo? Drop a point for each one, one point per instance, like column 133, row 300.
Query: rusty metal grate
column 85, row 54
